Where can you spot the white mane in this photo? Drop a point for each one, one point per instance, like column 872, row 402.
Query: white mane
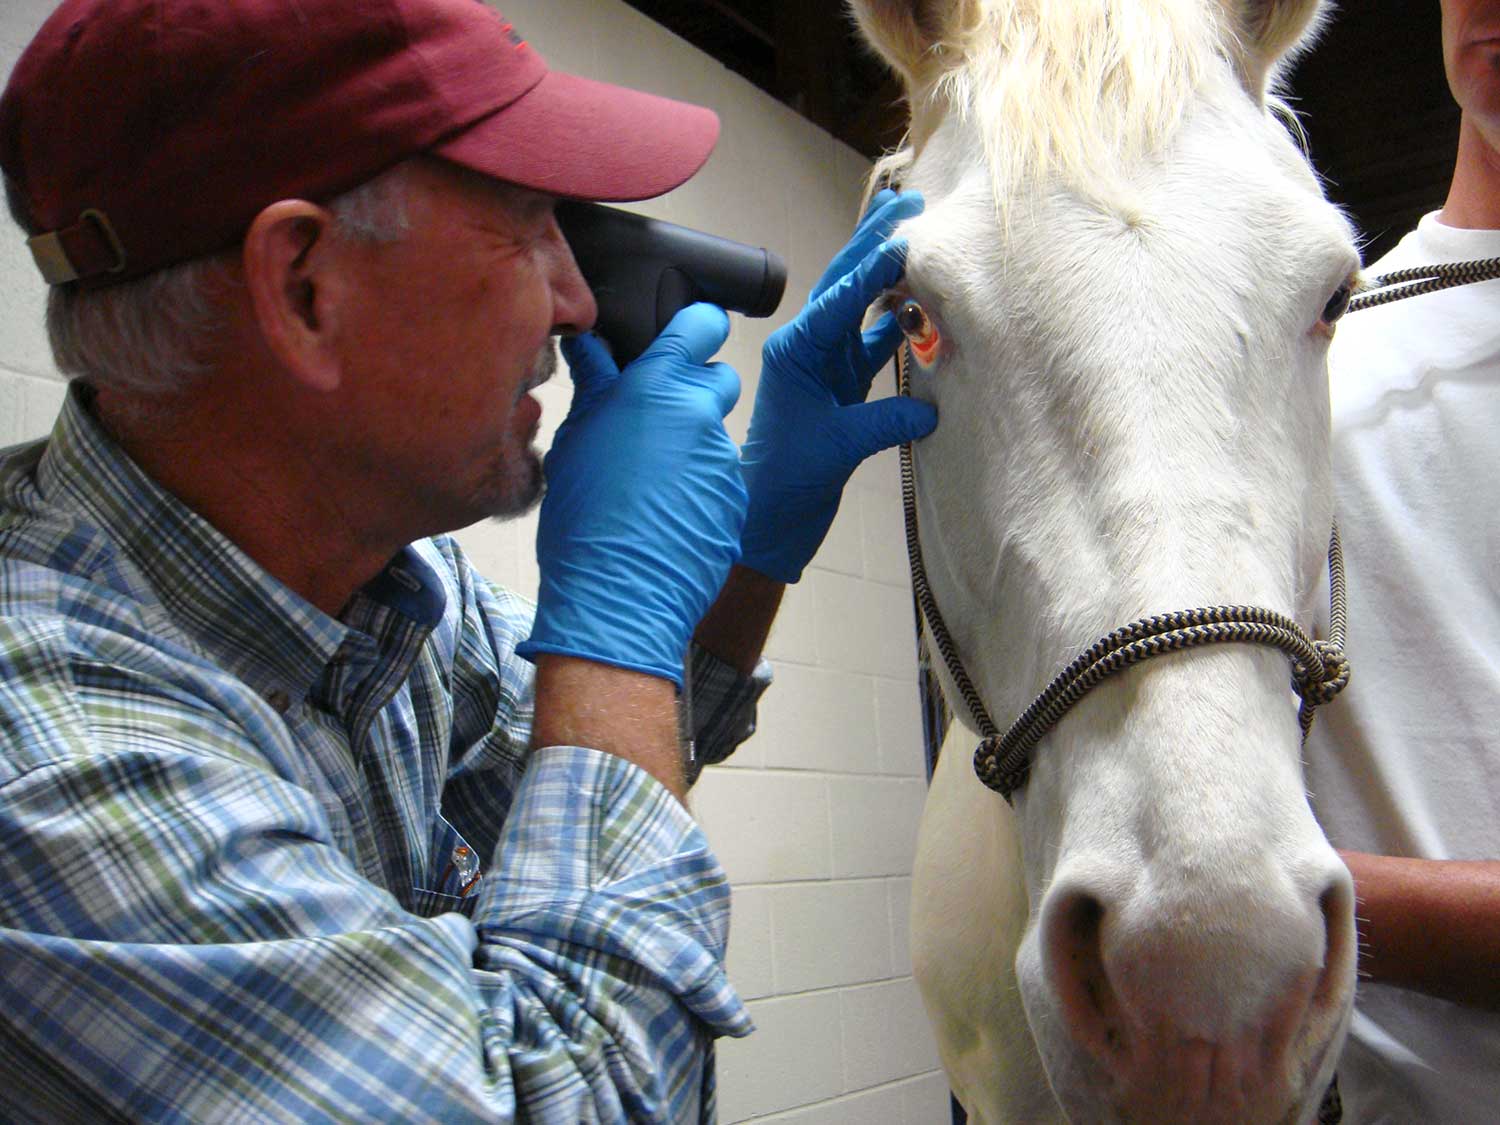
column 1070, row 91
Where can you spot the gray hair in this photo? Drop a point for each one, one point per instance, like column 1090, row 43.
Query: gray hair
column 151, row 335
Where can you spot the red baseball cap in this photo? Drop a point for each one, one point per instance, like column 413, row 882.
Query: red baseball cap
column 142, row 133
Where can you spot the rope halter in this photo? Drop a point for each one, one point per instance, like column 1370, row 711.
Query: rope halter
column 1320, row 670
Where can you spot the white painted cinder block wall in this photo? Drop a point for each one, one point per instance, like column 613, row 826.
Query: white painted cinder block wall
column 816, row 818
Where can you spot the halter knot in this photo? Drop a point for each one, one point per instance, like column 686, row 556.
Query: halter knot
column 1319, row 686
column 1000, row 769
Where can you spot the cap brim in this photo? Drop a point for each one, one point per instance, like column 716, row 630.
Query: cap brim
column 580, row 139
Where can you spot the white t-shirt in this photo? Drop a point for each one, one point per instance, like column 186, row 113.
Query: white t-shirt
column 1407, row 761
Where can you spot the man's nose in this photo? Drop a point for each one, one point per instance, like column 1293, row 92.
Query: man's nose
column 574, row 307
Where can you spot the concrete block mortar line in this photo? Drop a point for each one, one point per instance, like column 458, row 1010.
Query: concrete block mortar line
column 829, row 990
column 762, row 884
column 792, row 662
column 813, row 774
column 46, row 374
column 864, row 576
column 758, row 886
column 781, row 662
column 875, row 581
column 791, row 1115
column 22, row 373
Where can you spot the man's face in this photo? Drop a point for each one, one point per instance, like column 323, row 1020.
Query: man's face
column 1471, row 55
column 449, row 328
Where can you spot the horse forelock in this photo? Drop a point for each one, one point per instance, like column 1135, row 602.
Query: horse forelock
column 1073, row 92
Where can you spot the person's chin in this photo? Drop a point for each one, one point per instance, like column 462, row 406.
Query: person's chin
column 522, row 487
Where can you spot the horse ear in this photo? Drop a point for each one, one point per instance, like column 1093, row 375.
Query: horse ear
column 1270, row 34
column 920, row 39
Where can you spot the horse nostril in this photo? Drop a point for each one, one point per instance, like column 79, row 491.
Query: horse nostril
column 1075, row 961
column 1340, row 943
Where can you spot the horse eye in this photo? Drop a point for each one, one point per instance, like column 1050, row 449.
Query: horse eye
column 1338, row 304
column 912, row 319
column 920, row 331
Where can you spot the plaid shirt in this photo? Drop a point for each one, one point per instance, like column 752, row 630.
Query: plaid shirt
column 258, row 864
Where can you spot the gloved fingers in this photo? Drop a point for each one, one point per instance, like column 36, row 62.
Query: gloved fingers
column 877, row 346
column 724, row 382
column 877, row 201
column 593, row 369
column 873, row 426
column 843, row 375
column 692, row 336
column 828, row 321
column 849, row 378
column 886, row 209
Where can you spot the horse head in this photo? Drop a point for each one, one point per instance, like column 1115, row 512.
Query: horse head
column 1120, row 297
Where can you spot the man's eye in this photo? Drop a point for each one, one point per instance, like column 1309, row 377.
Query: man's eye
column 920, row 331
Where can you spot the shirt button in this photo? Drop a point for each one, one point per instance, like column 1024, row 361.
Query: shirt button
column 279, row 700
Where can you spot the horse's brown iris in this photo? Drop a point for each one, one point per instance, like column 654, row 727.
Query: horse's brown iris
column 920, row 331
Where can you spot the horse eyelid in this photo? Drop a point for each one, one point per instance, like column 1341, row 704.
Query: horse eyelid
column 1338, row 303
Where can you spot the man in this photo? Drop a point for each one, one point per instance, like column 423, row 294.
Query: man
column 291, row 826
column 1404, row 770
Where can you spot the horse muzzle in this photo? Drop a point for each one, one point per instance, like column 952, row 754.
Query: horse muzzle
column 1223, row 1001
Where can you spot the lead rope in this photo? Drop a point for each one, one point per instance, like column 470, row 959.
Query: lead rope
column 1398, row 284
column 1320, row 670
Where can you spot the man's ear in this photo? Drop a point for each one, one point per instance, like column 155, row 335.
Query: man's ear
column 292, row 275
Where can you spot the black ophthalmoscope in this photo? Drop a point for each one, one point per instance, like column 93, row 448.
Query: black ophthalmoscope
column 643, row 271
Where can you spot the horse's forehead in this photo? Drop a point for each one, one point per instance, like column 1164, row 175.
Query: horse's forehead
column 1232, row 205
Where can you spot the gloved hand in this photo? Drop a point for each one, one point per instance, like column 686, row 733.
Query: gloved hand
column 644, row 505
column 811, row 426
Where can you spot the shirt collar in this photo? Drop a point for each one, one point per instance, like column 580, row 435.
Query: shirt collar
column 242, row 617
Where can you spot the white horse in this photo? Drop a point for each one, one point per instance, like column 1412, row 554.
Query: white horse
column 1120, row 296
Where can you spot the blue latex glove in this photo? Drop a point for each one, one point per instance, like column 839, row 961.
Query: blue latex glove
column 811, row 426
column 644, row 505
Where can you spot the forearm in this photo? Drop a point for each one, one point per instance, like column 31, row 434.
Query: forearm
column 498, row 1018
column 1430, row 925
column 736, row 626
column 631, row 715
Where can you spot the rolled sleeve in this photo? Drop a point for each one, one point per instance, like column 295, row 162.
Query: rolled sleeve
column 213, row 954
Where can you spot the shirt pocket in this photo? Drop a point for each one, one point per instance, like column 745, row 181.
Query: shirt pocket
column 453, row 876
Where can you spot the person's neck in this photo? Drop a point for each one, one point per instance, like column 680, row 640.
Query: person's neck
column 241, row 468
column 1474, row 196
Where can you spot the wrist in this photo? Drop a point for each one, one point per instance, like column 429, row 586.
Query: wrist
column 641, row 627
column 779, row 542
column 736, row 626
column 619, row 711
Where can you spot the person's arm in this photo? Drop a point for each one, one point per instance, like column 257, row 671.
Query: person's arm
column 640, row 525
column 636, row 537
column 632, row 715
column 1430, row 925
column 810, row 429
column 191, row 923
column 736, row 626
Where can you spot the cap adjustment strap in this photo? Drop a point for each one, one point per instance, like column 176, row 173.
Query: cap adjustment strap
column 86, row 249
